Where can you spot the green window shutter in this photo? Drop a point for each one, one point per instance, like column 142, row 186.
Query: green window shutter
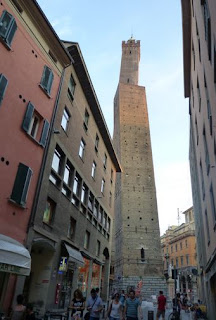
column 47, row 79
column 3, row 86
column 28, row 117
column 11, row 33
column 21, row 184
column 44, row 134
column 8, row 27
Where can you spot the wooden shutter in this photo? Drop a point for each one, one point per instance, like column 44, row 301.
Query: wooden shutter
column 3, row 86
column 44, row 134
column 28, row 117
column 8, row 27
column 11, row 32
column 47, row 79
column 21, row 184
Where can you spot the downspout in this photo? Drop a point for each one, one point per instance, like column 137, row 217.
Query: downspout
column 44, row 159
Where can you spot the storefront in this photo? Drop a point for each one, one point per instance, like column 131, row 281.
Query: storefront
column 83, row 276
column 14, row 260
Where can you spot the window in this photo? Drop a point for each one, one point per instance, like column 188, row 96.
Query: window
column 68, row 172
column 176, row 247
column 96, row 208
column 177, row 265
column 197, row 132
column 202, row 180
column 77, row 185
column 82, row 149
column 182, row 261
column 187, row 259
column 21, row 184
column 48, row 214
column 206, row 152
column 111, row 176
column 90, row 202
column 71, row 228
column 172, row 262
column 207, row 227
column 110, row 199
column 47, row 79
column 84, row 194
column 86, row 240
column 209, row 112
column 31, row 123
column 180, row 245
column 102, row 185
column 94, row 165
column 86, row 120
column 57, row 161
column 105, row 161
column 71, row 88
column 198, row 94
column 3, row 86
column 213, row 203
column 96, row 143
column 142, row 255
column 65, row 119
column 8, row 27
column 171, row 249
column 100, row 216
column 104, row 220
column 186, row 243
column 108, row 224
column 98, row 248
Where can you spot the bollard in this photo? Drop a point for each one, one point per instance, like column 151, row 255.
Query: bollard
column 150, row 315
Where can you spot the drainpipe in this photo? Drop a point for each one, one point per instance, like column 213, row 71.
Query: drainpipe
column 44, row 159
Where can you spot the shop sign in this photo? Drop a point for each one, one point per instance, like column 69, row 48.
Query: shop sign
column 63, row 264
column 10, row 268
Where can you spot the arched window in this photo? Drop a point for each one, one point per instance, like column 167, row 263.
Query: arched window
column 142, row 255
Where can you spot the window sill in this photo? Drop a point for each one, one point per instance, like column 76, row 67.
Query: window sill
column 81, row 159
column 16, row 204
column 46, row 224
column 65, row 131
column 46, row 93
column 5, row 44
column 34, row 140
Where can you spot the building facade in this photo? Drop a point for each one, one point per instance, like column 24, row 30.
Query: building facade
column 137, row 237
column 71, row 229
column 199, row 50
column 179, row 252
column 29, row 83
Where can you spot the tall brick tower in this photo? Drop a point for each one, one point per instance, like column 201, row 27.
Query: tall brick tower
column 138, row 259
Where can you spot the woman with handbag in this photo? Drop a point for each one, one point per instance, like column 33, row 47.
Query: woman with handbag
column 115, row 308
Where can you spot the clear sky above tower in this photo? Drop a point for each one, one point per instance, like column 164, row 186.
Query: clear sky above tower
column 99, row 27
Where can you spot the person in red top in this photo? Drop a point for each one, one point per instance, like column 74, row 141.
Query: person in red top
column 161, row 306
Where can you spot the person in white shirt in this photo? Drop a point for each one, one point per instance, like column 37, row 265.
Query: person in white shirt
column 115, row 308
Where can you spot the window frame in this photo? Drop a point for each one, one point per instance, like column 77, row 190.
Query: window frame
column 66, row 119
column 47, row 85
column 82, row 149
column 4, row 86
column 7, row 38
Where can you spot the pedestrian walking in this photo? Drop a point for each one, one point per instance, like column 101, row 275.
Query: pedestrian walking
column 94, row 305
column 115, row 308
column 19, row 311
column 77, row 305
column 122, row 297
column 161, row 306
column 132, row 308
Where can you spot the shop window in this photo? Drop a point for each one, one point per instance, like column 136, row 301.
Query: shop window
column 86, row 120
column 82, row 149
column 47, row 80
column 21, row 184
column 142, row 255
column 48, row 214
column 86, row 240
column 65, row 119
column 32, row 122
column 8, row 27
column 3, row 86
column 71, row 88
column 98, row 248
column 71, row 228
column 96, row 143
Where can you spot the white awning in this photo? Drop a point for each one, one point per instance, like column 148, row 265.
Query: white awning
column 74, row 255
column 14, row 257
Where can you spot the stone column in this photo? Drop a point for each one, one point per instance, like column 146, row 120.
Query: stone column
column 105, row 290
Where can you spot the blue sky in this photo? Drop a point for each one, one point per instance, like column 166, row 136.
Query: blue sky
column 99, row 27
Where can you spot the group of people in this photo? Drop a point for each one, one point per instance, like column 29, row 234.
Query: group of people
column 21, row 312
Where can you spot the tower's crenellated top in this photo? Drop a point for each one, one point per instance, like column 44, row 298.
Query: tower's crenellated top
column 131, row 43
column 130, row 61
